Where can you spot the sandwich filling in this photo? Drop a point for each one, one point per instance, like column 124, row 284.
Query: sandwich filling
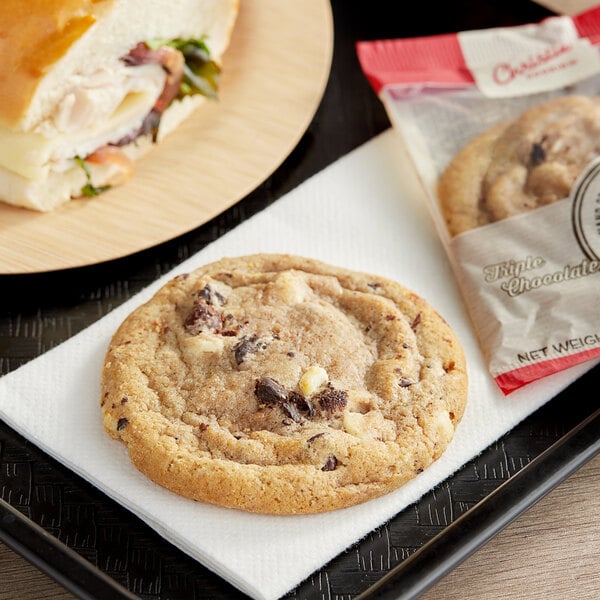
column 98, row 126
column 188, row 70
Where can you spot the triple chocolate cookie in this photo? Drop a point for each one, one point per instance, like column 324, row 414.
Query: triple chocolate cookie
column 518, row 166
column 279, row 384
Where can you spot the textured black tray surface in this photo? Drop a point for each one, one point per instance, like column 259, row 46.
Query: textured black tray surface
column 39, row 311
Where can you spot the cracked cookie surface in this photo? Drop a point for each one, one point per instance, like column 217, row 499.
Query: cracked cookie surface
column 279, row 384
column 518, row 166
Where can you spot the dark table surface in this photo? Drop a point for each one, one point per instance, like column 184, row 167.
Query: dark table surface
column 39, row 311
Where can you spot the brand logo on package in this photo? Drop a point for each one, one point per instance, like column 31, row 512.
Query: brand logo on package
column 536, row 65
column 527, row 59
column 585, row 212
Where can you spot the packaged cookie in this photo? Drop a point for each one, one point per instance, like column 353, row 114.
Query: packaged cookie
column 503, row 127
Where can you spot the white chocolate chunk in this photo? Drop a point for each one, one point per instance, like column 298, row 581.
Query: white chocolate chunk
column 370, row 425
column 290, row 287
column 110, row 422
column 313, row 378
column 444, row 426
column 203, row 342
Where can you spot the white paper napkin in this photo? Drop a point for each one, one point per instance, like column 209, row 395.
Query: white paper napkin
column 364, row 212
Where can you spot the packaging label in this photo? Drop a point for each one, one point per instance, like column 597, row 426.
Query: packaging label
column 515, row 61
column 537, row 306
column 586, row 211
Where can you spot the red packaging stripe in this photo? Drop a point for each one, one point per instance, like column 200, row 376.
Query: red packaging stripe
column 588, row 24
column 435, row 58
column 513, row 380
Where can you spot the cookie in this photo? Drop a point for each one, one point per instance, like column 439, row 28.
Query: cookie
column 521, row 165
column 282, row 385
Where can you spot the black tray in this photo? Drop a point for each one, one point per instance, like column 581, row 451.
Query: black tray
column 97, row 549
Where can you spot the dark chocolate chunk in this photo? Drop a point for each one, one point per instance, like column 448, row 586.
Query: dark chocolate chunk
column 122, row 423
column 537, row 155
column 292, row 403
column 331, row 399
column 330, row 463
column 270, row 391
column 291, row 409
column 404, row 382
column 209, row 294
column 303, row 404
column 415, row 322
column 310, row 440
column 206, row 294
column 248, row 344
column 203, row 317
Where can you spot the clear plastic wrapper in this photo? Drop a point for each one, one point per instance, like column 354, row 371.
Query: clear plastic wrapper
column 503, row 127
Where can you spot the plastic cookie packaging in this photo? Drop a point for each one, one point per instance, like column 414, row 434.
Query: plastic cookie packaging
column 503, row 127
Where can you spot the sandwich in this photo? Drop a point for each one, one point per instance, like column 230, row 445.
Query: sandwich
column 88, row 86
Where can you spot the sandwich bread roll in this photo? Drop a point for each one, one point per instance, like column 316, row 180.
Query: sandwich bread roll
column 87, row 86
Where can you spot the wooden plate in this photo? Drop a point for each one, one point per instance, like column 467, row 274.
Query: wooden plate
column 275, row 72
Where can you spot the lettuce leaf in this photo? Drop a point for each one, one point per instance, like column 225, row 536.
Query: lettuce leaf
column 201, row 74
column 89, row 189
